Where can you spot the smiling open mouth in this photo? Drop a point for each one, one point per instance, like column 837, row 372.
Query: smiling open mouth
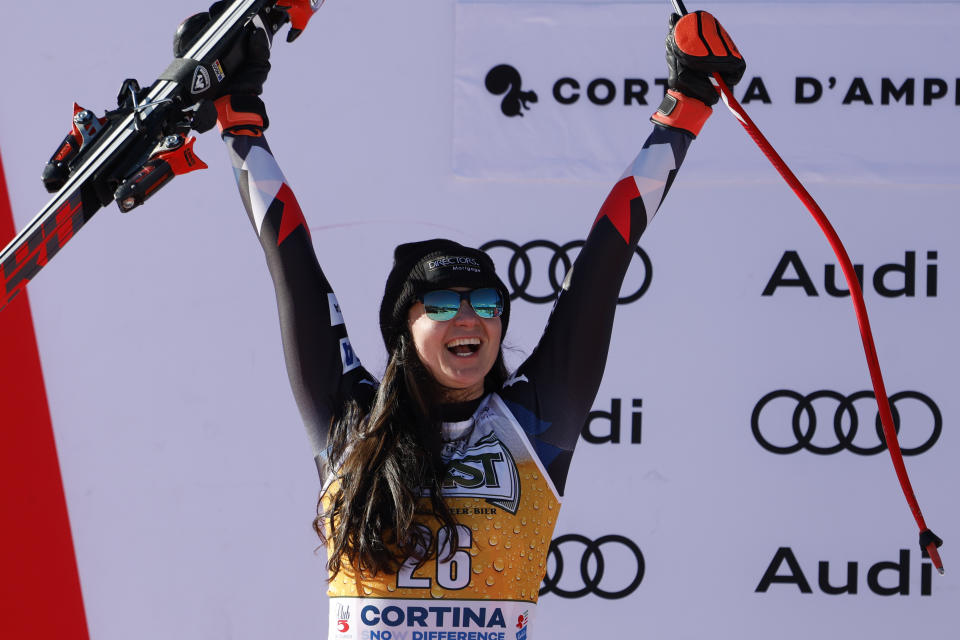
column 463, row 346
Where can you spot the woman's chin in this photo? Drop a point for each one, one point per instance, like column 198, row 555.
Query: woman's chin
column 464, row 375
column 462, row 386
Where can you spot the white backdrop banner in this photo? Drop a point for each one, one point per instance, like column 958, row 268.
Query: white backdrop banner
column 554, row 90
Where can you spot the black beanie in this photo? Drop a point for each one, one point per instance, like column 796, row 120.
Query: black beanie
column 419, row 267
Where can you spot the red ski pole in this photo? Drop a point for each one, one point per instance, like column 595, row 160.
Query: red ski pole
column 928, row 540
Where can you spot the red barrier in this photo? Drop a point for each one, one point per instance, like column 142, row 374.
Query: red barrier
column 40, row 594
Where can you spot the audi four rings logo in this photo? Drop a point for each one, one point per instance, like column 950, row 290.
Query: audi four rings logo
column 567, row 549
column 924, row 420
column 541, row 282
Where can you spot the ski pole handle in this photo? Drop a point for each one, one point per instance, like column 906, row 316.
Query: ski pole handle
column 300, row 12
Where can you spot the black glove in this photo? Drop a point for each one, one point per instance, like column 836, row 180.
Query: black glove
column 238, row 106
column 698, row 47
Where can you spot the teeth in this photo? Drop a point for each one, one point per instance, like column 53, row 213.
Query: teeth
column 463, row 341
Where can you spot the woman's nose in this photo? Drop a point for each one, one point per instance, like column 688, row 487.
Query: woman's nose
column 466, row 315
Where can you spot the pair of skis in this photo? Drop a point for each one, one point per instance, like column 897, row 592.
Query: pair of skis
column 129, row 153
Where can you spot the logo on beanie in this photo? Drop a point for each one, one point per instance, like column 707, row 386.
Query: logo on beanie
column 455, row 263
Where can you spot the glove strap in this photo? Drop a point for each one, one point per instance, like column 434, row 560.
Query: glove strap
column 678, row 111
column 241, row 115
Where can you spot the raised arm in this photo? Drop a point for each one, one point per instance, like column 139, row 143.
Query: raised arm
column 558, row 382
column 321, row 365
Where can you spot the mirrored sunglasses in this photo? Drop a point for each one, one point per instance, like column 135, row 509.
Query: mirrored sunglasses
column 444, row 304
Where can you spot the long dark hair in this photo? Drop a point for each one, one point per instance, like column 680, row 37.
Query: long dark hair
column 385, row 457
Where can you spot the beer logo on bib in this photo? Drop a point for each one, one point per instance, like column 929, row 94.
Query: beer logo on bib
column 485, row 470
